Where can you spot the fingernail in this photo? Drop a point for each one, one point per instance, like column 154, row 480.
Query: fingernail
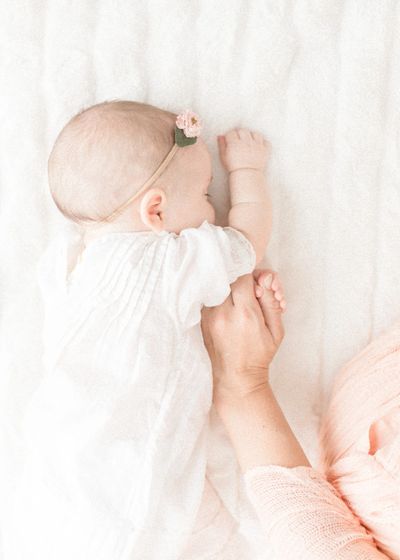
column 268, row 281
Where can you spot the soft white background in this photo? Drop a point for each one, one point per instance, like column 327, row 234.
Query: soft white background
column 319, row 78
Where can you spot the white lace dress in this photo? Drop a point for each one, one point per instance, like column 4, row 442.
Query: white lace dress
column 118, row 430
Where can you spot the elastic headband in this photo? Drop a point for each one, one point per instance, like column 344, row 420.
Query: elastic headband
column 187, row 128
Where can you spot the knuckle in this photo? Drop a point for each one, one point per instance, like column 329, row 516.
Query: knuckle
column 243, row 315
column 248, row 314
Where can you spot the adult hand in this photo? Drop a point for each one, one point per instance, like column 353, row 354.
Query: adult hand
column 243, row 334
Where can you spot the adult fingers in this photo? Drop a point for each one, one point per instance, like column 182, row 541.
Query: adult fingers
column 242, row 291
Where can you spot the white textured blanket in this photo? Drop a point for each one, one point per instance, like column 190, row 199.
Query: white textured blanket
column 319, row 78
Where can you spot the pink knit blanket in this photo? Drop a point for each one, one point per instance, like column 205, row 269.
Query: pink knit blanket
column 360, row 439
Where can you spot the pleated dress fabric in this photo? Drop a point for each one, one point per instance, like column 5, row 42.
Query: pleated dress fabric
column 117, row 430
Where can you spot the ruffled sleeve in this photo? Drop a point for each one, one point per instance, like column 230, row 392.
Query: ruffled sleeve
column 304, row 517
column 200, row 264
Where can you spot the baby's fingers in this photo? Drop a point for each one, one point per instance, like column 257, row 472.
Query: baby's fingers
column 239, row 134
column 232, row 135
column 259, row 138
column 244, row 134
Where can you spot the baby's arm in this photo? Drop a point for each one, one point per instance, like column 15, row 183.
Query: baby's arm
column 244, row 155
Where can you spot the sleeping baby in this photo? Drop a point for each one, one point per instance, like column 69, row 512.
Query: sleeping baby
column 121, row 453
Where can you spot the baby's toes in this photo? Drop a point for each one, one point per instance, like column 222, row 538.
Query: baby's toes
column 281, row 299
column 270, row 307
column 277, row 287
column 279, row 295
column 276, row 283
column 264, row 290
column 269, row 283
column 264, row 276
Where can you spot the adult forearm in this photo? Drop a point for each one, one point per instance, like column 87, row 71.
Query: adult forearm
column 250, row 210
column 259, row 430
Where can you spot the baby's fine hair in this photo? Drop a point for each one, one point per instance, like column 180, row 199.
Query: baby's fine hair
column 103, row 155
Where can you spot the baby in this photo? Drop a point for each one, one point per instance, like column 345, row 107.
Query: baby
column 122, row 455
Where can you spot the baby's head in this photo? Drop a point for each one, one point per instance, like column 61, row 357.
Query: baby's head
column 105, row 153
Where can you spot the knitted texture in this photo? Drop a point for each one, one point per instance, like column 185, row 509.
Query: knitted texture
column 304, row 517
column 349, row 506
column 360, row 439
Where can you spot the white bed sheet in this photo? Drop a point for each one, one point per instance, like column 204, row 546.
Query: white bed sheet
column 321, row 80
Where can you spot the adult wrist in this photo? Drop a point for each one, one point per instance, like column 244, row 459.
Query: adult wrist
column 234, row 409
column 235, row 395
column 245, row 169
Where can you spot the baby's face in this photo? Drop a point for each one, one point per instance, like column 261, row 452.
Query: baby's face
column 187, row 202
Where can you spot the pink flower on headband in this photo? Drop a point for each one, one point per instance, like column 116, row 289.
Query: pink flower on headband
column 190, row 123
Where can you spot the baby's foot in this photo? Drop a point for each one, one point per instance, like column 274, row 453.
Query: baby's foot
column 269, row 285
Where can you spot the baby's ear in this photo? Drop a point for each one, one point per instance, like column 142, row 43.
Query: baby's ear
column 152, row 208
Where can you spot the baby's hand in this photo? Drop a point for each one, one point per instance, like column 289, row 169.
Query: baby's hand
column 243, row 148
